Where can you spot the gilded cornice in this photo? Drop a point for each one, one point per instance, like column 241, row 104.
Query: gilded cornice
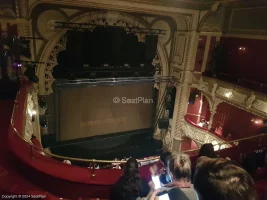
column 243, row 98
column 136, row 6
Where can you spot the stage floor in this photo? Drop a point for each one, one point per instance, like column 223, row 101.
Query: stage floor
column 137, row 144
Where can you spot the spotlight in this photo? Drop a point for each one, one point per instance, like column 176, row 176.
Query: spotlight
column 126, row 65
column 30, row 73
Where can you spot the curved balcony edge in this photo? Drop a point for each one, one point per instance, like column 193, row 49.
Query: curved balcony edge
column 202, row 135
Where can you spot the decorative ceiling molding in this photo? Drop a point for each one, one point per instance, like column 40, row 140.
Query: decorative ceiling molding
column 7, row 12
column 151, row 7
column 237, row 96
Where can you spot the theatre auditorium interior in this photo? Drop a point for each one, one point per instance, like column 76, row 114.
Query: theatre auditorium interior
column 96, row 94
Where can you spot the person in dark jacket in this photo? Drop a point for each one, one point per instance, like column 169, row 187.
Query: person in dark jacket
column 130, row 186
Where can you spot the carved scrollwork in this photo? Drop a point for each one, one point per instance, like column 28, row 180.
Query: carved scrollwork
column 214, row 89
column 203, row 86
column 250, row 100
column 199, row 135
column 168, row 139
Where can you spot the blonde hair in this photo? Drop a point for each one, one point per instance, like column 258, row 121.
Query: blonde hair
column 181, row 167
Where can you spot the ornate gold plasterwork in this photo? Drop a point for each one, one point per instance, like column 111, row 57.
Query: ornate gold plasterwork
column 199, row 135
column 168, row 140
column 237, row 96
column 32, row 127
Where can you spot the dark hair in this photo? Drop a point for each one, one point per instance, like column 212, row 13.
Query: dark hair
column 131, row 179
column 181, row 167
column 166, row 157
column 207, row 150
column 221, row 180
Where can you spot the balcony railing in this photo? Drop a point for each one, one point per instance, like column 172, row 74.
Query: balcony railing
column 202, row 135
column 48, row 163
column 246, row 83
column 222, row 91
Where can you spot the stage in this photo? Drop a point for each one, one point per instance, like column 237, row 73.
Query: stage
column 138, row 144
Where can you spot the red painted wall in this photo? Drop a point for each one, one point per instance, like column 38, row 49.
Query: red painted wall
column 200, row 53
column 237, row 122
column 193, row 109
column 250, row 63
column 188, row 144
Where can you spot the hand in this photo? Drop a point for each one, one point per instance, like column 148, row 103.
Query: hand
column 151, row 185
column 152, row 171
column 154, row 195
column 162, row 171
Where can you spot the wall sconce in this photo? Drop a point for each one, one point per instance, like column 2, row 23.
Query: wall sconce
column 242, row 48
column 33, row 115
column 255, row 121
column 228, row 94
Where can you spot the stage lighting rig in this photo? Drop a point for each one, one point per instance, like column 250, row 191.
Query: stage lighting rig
column 92, row 26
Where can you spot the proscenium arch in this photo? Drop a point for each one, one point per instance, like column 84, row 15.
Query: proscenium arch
column 51, row 44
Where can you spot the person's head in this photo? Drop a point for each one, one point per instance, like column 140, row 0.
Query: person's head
column 207, row 150
column 181, row 167
column 222, row 180
column 131, row 179
column 67, row 162
column 131, row 167
column 165, row 157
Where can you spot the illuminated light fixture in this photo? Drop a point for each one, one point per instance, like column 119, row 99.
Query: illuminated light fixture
column 197, row 95
column 30, row 112
column 215, row 145
column 256, row 121
column 242, row 48
column 126, row 65
column 228, row 94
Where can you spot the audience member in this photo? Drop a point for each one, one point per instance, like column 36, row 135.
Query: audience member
column 207, row 150
column 221, row 180
column 181, row 173
column 130, row 186
column 165, row 177
column 67, row 162
column 252, row 161
column 157, row 168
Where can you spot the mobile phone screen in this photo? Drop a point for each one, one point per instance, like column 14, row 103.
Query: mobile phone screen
column 156, row 181
column 164, row 197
